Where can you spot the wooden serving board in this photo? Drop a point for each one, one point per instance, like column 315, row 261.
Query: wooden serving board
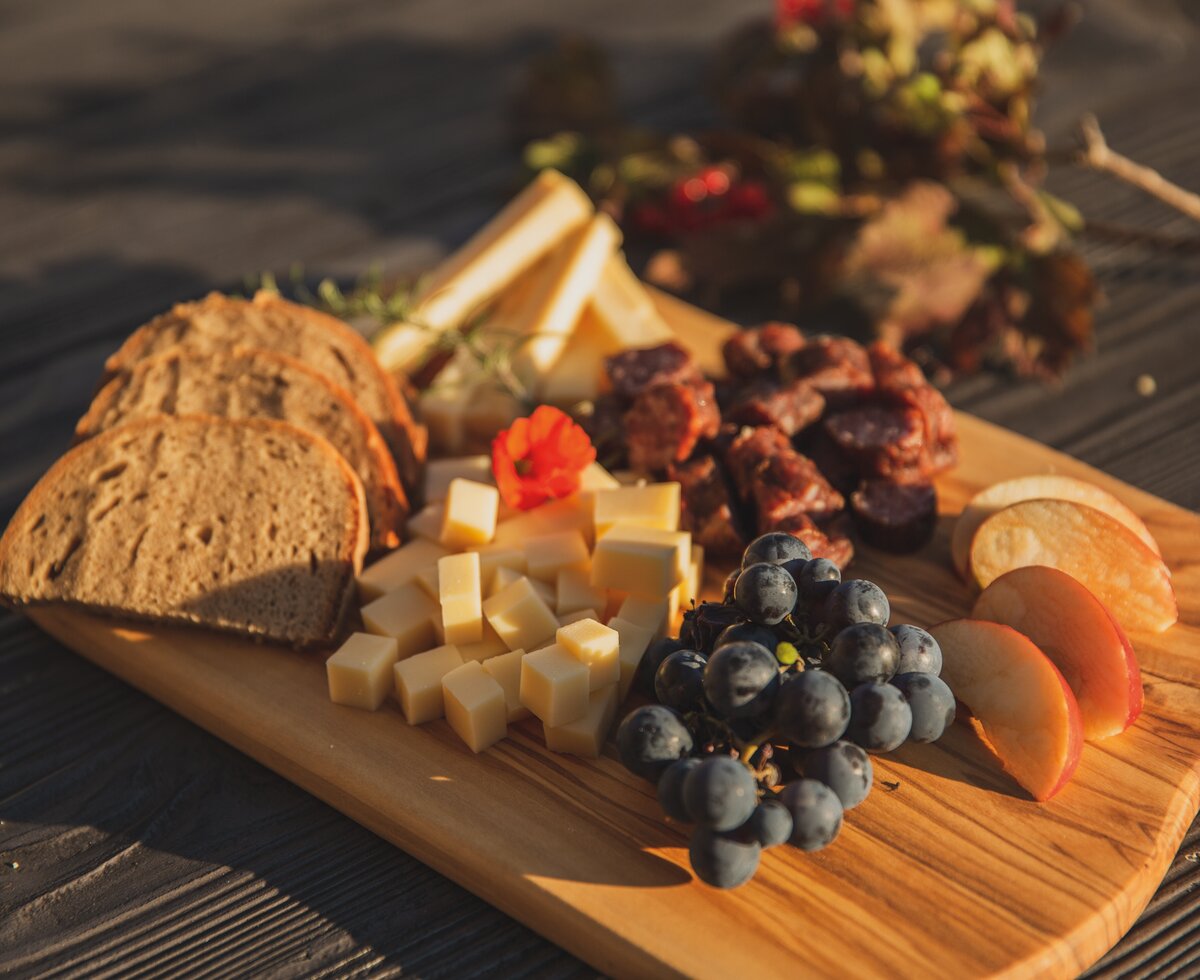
column 948, row 868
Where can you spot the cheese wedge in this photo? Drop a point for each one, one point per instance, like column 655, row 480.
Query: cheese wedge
column 623, row 312
column 578, row 374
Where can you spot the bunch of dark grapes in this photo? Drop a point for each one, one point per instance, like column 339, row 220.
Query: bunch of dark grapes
column 769, row 703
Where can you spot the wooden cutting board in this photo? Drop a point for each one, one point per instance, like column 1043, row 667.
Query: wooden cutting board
column 947, row 869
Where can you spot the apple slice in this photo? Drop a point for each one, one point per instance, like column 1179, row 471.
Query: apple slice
column 1021, row 702
column 1072, row 628
column 1041, row 487
column 1107, row 558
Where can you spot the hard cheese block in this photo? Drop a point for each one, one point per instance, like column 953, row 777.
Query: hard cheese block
column 596, row 645
column 585, row 736
column 490, row 646
column 427, row 523
column 555, row 685
column 406, row 614
column 574, row 617
column 440, row 472
column 419, row 683
column 633, row 641
column 398, row 568
column 520, row 616
column 360, row 672
column 475, row 706
column 506, row 668
column 651, row 614
column 575, row 591
column 461, row 598
column 545, row 557
column 642, row 561
column 470, row 514
column 654, row 505
column 573, row 513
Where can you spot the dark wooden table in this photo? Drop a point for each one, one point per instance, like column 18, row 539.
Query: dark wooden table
column 149, row 152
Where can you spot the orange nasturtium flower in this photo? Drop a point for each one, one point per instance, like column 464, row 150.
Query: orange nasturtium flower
column 540, row 458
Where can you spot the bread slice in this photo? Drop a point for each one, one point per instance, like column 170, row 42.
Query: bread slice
column 220, row 323
column 249, row 383
column 250, row 526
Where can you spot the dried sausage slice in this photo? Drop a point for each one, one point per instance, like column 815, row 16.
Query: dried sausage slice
column 837, row 367
column 895, row 517
column 666, row 423
column 882, row 440
column 789, row 408
column 634, row 371
column 761, row 350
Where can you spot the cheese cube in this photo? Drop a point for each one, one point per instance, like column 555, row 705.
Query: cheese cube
column 575, row 591
column 545, row 557
column 461, row 598
column 624, row 310
column 427, row 580
column 427, row 523
column 596, row 477
column 554, row 685
column 655, row 505
column 504, row 577
column 688, row 591
column 594, row 644
column 642, row 561
column 406, row 615
column 574, row 617
column 573, row 513
column 520, row 616
column 475, row 706
column 398, row 568
column 490, row 646
column 506, row 668
column 497, row 556
column 586, row 736
column 419, row 683
column 634, row 640
column 651, row 614
column 360, row 672
column 440, row 472
column 470, row 514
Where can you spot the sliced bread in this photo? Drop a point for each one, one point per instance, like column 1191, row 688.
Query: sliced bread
column 248, row 383
column 250, row 526
column 220, row 323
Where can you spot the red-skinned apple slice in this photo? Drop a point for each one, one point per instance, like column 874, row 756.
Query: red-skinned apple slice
column 1021, row 702
column 1039, row 487
column 1071, row 627
column 1103, row 555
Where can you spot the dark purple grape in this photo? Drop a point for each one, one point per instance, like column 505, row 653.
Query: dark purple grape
column 770, row 824
column 811, row 608
column 774, row 548
column 720, row 793
column 931, row 702
column 655, row 654
column 765, row 593
column 740, row 681
column 702, row 625
column 670, row 788
column 919, row 652
column 808, row 573
column 856, row 601
column 730, row 582
column 863, row 652
column 880, row 718
column 650, row 739
column 812, row 709
column 721, row 860
column 816, row 813
column 844, row 768
column 747, row 633
column 679, row 680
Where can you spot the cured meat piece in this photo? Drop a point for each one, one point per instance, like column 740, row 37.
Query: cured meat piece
column 791, row 484
column 605, row 426
column 667, row 421
column 706, row 506
column 836, row 466
column 750, row 353
column 837, row 367
column 789, row 408
column 831, row 543
column 941, row 439
column 749, row 452
column 634, row 371
column 895, row 517
column 882, row 440
column 892, row 370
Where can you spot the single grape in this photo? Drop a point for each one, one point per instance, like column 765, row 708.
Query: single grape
column 740, row 680
column 808, row 573
column 844, row 768
column 650, row 739
column 787, row 654
column 679, row 680
column 720, row 860
column 670, row 788
column 811, row 607
column 856, row 601
column 880, row 718
column 774, row 548
column 919, row 652
column 720, row 793
column 931, row 702
column 863, row 652
column 730, row 582
column 770, row 824
column 765, row 593
column 811, row 709
column 816, row 813
column 655, row 654
column 747, row 633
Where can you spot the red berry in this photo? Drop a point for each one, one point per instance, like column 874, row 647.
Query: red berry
column 749, row 199
column 716, row 180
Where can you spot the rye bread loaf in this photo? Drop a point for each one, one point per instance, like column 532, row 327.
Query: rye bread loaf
column 220, row 323
column 250, row 526
column 250, row 383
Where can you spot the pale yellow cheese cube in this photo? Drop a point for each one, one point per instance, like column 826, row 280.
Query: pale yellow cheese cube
column 642, row 561
column 496, row 556
column 554, row 685
column 652, row 614
column 427, row 580
column 461, row 598
column 419, row 683
column 688, row 591
column 545, row 557
column 506, row 668
column 574, row 617
column 406, row 615
column 397, row 568
column 655, row 505
column 586, row 736
column 573, row 513
column 490, row 646
column 594, row 644
column 504, row 577
column 359, row 673
column 596, row 477
column 440, row 472
column 520, row 616
column 634, row 641
column 427, row 523
column 475, row 706
column 469, row 518
column 575, row 591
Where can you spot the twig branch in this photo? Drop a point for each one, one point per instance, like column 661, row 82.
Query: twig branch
column 1097, row 155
